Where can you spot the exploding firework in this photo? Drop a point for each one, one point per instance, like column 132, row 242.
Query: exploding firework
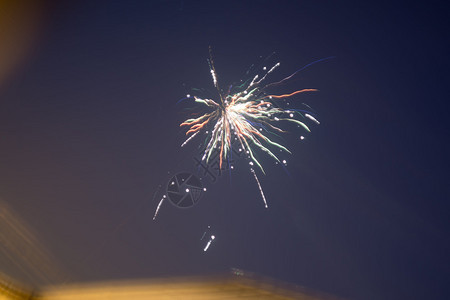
column 248, row 115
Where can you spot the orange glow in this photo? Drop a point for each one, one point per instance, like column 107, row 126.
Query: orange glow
column 19, row 26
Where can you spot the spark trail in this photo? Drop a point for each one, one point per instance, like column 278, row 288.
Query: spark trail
column 259, row 186
column 159, row 206
column 209, row 243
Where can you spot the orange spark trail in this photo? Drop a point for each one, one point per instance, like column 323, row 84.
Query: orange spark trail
column 292, row 94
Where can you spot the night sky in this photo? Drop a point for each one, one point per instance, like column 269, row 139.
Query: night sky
column 89, row 127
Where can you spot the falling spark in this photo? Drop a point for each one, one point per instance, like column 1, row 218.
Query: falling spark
column 259, row 186
column 158, row 207
column 209, row 243
column 190, row 138
column 312, row 118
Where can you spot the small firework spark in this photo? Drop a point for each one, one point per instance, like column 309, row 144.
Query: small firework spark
column 249, row 115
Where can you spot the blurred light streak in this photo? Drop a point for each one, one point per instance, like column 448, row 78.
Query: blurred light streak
column 246, row 285
column 11, row 289
column 22, row 255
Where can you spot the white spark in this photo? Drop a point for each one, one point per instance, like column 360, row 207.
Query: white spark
column 209, row 243
column 270, row 71
column 260, row 188
column 213, row 74
column 159, row 205
column 312, row 118
column 253, row 81
column 190, row 138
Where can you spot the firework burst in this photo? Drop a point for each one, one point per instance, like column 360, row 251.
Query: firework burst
column 249, row 116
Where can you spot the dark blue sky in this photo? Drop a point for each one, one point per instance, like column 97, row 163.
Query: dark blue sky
column 89, row 129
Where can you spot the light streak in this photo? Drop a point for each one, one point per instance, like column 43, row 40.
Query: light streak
column 209, row 243
column 190, row 138
column 260, row 188
column 158, row 207
column 312, row 118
